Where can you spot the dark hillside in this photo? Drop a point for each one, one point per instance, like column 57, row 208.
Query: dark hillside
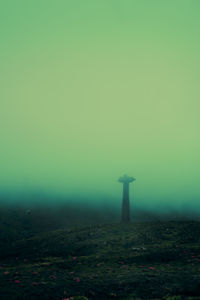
column 151, row 260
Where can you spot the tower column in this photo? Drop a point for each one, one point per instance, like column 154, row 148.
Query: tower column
column 125, row 217
column 125, row 214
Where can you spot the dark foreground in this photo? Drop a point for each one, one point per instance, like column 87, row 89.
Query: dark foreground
column 159, row 260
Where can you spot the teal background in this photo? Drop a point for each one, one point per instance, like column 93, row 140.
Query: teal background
column 91, row 90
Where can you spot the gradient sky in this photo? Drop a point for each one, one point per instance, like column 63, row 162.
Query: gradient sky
column 94, row 89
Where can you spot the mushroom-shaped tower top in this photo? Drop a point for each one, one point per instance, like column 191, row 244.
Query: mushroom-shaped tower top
column 126, row 178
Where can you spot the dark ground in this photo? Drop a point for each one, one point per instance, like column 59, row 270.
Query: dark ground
column 143, row 260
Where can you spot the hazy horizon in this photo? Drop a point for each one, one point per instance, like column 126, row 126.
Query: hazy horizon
column 92, row 90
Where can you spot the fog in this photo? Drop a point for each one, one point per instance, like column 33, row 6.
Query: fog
column 92, row 90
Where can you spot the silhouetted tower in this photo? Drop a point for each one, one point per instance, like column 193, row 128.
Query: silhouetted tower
column 125, row 217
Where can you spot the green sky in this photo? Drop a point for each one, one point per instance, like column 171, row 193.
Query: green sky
column 93, row 89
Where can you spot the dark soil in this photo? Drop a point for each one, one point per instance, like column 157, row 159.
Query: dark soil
column 149, row 260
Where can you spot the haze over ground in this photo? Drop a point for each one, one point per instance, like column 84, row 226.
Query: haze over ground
column 91, row 90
